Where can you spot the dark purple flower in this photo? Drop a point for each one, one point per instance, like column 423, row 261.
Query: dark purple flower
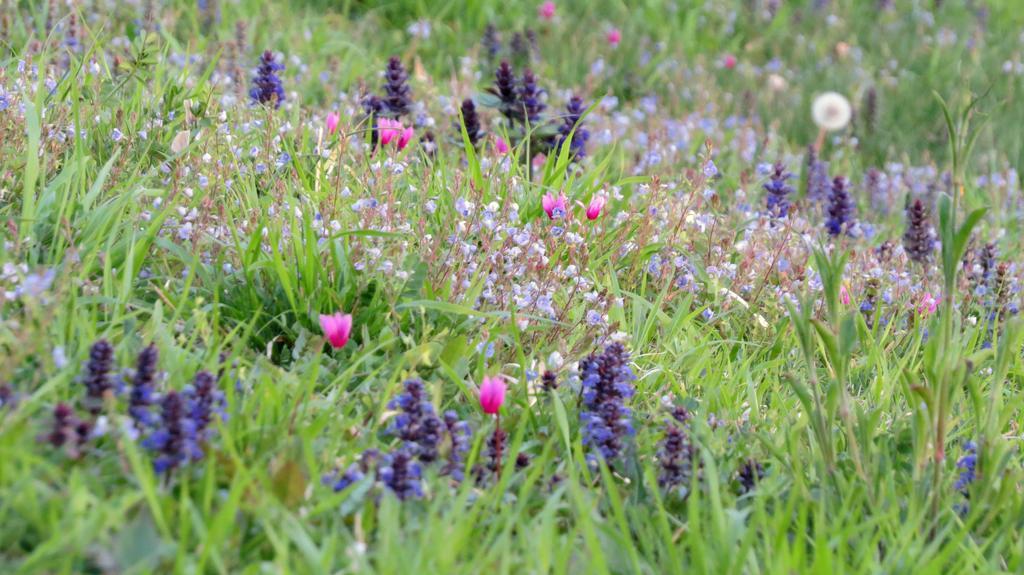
column 778, row 191
column 531, row 98
column 818, row 185
column 967, row 464
column 607, row 382
column 676, row 454
column 491, row 42
column 840, row 208
column 418, row 424
column 68, row 430
column 143, row 392
column 266, row 86
column 401, row 474
column 573, row 113
column 472, row 121
column 206, row 402
column 97, row 375
column 505, row 89
column 397, row 99
column 749, row 475
column 374, row 108
column 174, row 439
column 918, row 240
column 460, row 435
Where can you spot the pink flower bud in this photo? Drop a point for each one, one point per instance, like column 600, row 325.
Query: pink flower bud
column 546, row 10
column 501, row 146
column 337, row 328
column 729, row 61
column 332, row 122
column 614, row 37
column 844, row 296
column 492, row 394
column 595, row 207
column 403, row 140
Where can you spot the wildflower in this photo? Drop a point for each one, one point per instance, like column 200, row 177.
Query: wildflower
column 492, row 394
column 496, row 449
column 97, row 375
column 750, row 474
column 549, row 380
column 500, row 146
column 918, row 240
column 505, row 89
column 531, row 98
column 397, row 101
column 676, row 454
column 555, row 207
column 459, row 434
column 546, row 10
column 778, row 191
column 614, row 37
column 267, row 87
column 418, row 425
column 175, row 438
column 967, row 464
column 373, row 107
column 819, row 185
column 491, row 42
column 205, row 401
column 729, row 61
column 392, row 130
column 927, row 304
column 831, row 111
column 332, row 122
column 595, row 207
column 571, row 126
column 337, row 328
column 471, row 121
column 401, row 474
column 143, row 392
column 844, row 295
column 68, row 430
column 607, row 382
column 840, row 208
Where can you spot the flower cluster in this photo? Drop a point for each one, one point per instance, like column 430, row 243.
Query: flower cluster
column 607, row 383
column 676, row 454
column 266, row 86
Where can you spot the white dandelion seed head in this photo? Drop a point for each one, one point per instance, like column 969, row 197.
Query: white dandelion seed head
column 831, row 111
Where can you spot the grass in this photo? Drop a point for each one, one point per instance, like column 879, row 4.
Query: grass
column 835, row 423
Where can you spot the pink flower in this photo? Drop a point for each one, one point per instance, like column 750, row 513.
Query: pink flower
column 729, row 61
column 501, row 146
column 844, row 296
column 551, row 203
column 546, row 10
column 614, row 37
column 538, row 161
column 403, row 139
column 492, row 394
column 393, row 131
column 928, row 304
column 595, row 207
column 337, row 328
column 332, row 122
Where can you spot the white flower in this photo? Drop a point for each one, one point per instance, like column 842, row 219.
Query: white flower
column 831, row 111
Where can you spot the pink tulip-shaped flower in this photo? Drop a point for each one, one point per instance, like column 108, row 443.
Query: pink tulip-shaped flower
column 404, row 137
column 337, row 328
column 388, row 130
column 729, row 61
column 492, row 394
column 546, row 10
column 501, row 146
column 538, row 161
column 614, row 37
column 555, row 207
column 844, row 295
column 393, row 131
column 332, row 122
column 928, row 304
column 595, row 207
